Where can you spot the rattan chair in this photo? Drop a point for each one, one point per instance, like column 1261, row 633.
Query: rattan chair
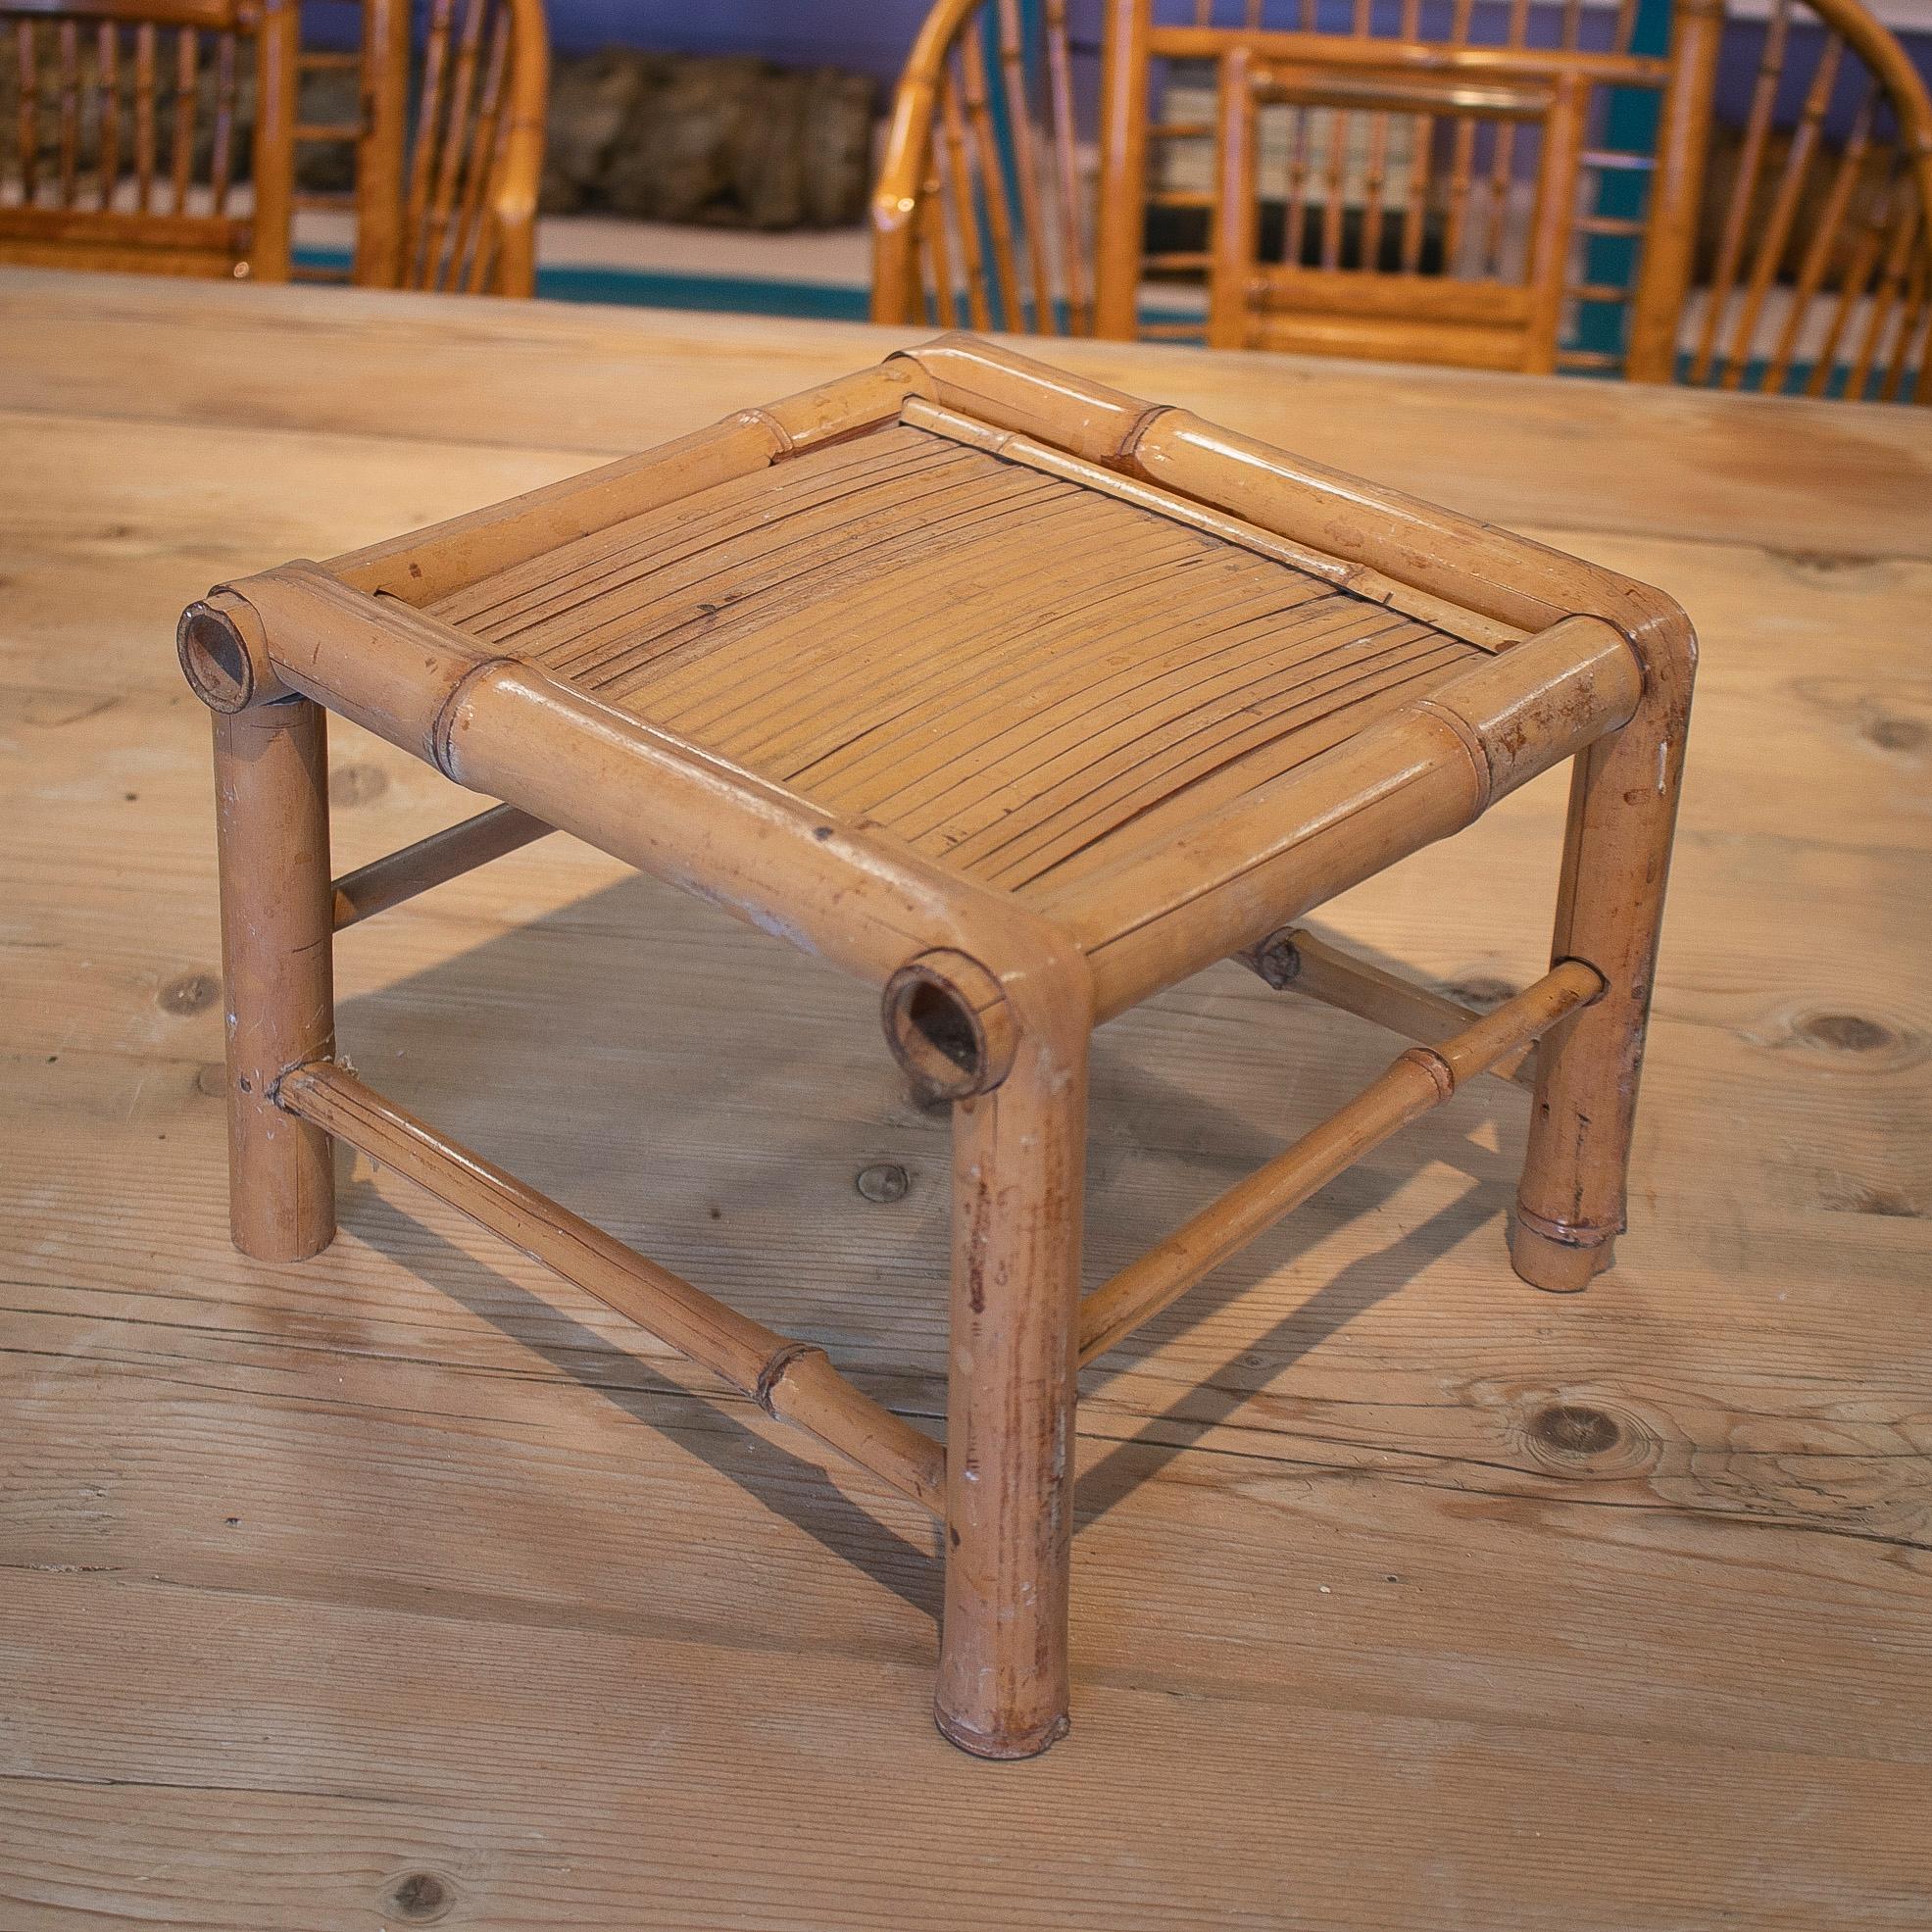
column 1023, row 190
column 446, row 155
column 1816, row 243
column 1495, row 299
column 153, row 135
column 1534, row 187
column 1021, row 700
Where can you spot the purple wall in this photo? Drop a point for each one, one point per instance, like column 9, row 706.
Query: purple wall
column 870, row 36
column 874, row 36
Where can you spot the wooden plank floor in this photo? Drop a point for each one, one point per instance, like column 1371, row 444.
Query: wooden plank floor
column 408, row 1588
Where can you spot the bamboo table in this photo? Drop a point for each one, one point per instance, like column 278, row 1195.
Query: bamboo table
column 1517, row 1661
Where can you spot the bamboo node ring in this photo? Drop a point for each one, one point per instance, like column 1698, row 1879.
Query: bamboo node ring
column 762, row 418
column 442, row 729
column 1127, row 455
column 1434, row 1066
column 949, row 1024
column 1482, row 766
column 774, row 1371
column 1566, row 1234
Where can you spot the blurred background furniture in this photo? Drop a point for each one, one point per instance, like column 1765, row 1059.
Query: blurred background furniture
column 1635, row 174
column 959, row 187
column 1814, row 245
column 1351, row 281
column 172, row 137
column 1146, row 208
column 148, row 134
column 443, row 148
column 1748, row 206
column 1771, row 237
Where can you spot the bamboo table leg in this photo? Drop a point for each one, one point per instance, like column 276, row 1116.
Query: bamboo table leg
column 1019, row 1162
column 1624, row 806
column 271, row 824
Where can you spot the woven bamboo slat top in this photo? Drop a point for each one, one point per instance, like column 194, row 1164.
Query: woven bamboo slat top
column 1005, row 668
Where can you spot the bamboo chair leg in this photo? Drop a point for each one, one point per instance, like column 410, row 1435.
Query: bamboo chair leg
column 1018, row 1163
column 1622, row 808
column 271, row 826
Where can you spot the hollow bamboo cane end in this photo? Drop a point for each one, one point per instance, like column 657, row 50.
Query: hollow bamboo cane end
column 225, row 653
column 1558, row 1264
column 949, row 1024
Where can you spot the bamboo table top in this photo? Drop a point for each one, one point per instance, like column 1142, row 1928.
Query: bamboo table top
column 383, row 1592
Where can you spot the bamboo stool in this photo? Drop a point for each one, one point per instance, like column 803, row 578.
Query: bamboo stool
column 1021, row 700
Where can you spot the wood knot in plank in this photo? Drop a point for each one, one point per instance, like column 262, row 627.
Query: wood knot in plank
column 1588, row 1439
column 190, row 993
column 418, row 1898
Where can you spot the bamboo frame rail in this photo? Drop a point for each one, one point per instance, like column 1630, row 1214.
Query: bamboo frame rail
column 1421, row 774
column 789, row 1380
column 1299, row 961
column 797, row 664
column 443, row 856
column 868, row 903
column 1417, row 1081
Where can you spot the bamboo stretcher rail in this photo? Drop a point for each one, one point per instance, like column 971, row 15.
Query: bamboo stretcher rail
column 433, row 861
column 791, row 1380
column 1417, row 1081
column 1299, row 961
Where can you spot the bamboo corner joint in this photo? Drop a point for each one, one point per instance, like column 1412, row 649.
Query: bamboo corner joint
column 1069, row 823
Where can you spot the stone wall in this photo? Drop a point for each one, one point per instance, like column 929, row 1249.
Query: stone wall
column 728, row 140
